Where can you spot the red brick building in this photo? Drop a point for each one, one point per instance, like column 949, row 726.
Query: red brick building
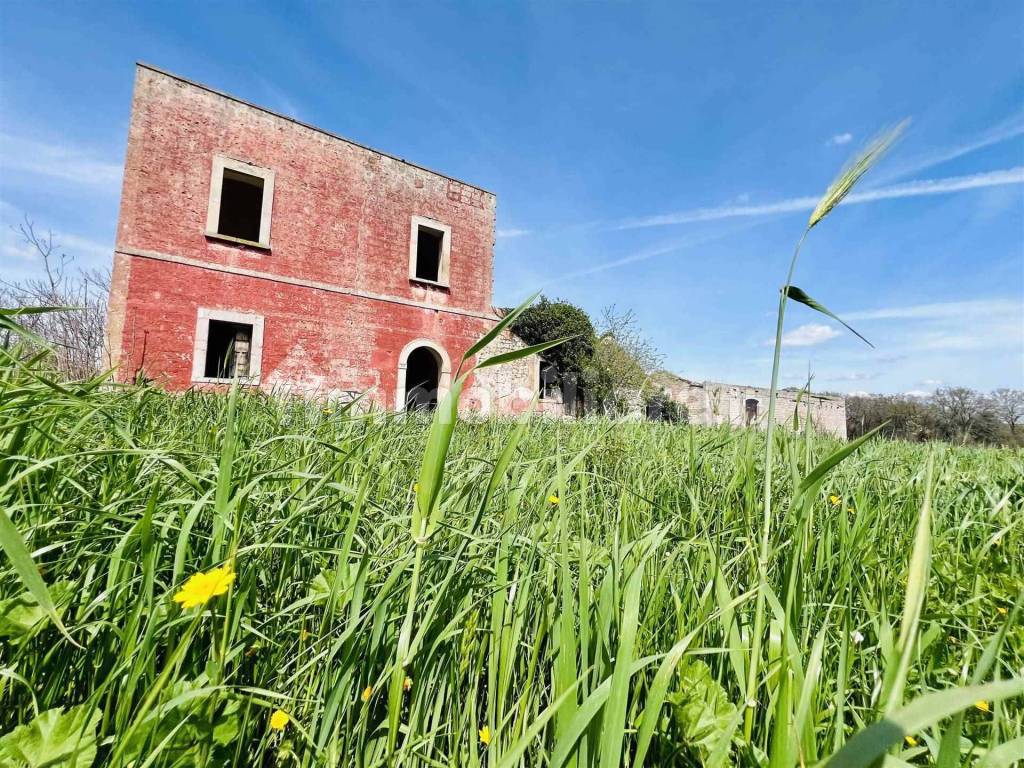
column 255, row 246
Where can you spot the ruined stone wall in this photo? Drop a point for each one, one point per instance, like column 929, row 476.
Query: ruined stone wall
column 507, row 388
column 333, row 288
column 712, row 403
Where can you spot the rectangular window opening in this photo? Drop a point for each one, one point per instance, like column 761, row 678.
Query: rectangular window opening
column 548, row 381
column 228, row 350
column 241, row 205
column 429, row 243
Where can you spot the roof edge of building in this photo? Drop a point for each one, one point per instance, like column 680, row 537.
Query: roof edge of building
column 225, row 95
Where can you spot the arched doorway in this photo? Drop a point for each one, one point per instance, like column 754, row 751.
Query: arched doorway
column 751, row 411
column 424, row 374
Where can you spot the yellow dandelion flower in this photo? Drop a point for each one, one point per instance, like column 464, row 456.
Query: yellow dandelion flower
column 836, row 501
column 553, row 499
column 367, row 693
column 203, row 587
column 279, row 720
column 982, row 705
column 911, row 741
column 407, row 684
column 1001, row 610
column 415, row 487
column 328, row 411
column 485, row 735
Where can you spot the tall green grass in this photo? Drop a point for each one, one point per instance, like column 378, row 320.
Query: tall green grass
column 585, row 591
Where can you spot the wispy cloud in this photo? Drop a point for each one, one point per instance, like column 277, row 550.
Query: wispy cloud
column 808, row 335
column 839, row 139
column 957, row 310
column 1008, row 129
column 918, row 188
column 58, row 161
column 22, row 255
column 509, row 233
column 851, row 376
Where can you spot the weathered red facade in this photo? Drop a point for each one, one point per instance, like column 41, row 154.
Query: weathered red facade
column 338, row 308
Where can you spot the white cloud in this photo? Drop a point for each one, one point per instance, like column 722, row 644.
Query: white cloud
column 58, row 161
column 504, row 234
column 858, row 393
column 839, row 139
column 796, row 204
column 917, row 393
column 932, row 383
column 807, row 335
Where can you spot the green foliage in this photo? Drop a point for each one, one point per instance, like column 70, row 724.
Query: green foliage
column 549, row 320
column 702, row 712
column 586, row 591
column 54, row 738
column 660, row 406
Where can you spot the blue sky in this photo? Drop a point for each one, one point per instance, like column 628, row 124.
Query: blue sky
column 659, row 156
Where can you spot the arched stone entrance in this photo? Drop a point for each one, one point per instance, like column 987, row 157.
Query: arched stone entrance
column 424, row 375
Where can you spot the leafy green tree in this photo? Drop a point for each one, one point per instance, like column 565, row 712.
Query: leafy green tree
column 548, row 320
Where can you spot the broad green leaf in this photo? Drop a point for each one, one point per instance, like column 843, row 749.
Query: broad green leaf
column 18, row 553
column 518, row 354
column 1005, row 755
column 702, row 710
column 502, row 324
column 424, row 516
column 53, row 738
column 917, row 585
column 613, row 725
column 586, row 713
column 873, row 742
column 656, row 697
column 796, row 294
column 21, row 615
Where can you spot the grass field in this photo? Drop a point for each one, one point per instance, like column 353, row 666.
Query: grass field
column 582, row 594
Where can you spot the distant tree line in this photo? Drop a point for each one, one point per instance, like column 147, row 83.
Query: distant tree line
column 954, row 414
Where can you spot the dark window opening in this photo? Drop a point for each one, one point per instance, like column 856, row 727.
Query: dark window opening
column 241, row 206
column 228, row 347
column 422, row 375
column 428, row 253
column 751, row 406
column 548, row 381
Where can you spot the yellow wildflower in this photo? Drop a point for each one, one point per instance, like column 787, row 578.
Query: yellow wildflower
column 553, row 499
column 328, row 411
column 202, row 587
column 982, row 705
column 1001, row 610
column 836, row 501
column 911, row 741
column 415, row 487
column 279, row 720
column 485, row 735
column 367, row 693
column 304, row 634
column 407, row 684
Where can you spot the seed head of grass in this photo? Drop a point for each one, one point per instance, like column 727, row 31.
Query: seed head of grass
column 850, row 175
